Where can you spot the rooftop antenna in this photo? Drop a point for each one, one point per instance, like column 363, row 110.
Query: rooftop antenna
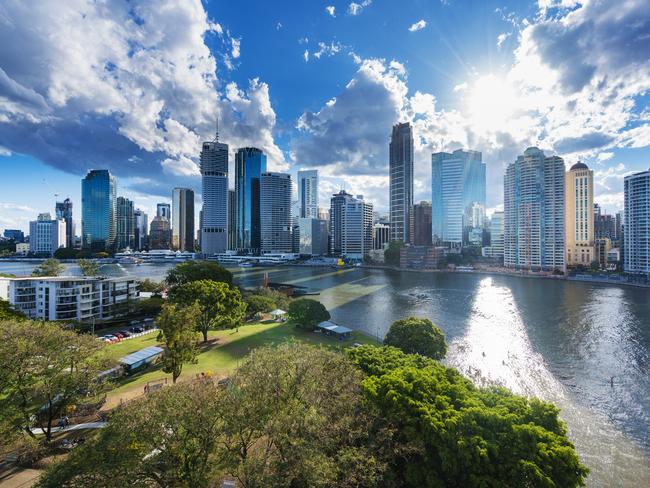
column 216, row 137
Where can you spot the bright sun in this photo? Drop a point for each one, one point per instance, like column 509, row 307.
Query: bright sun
column 492, row 101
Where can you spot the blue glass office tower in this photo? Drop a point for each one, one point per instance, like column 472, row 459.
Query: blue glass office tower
column 98, row 212
column 250, row 163
column 457, row 183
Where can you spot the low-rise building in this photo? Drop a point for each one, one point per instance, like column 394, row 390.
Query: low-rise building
column 70, row 297
column 421, row 257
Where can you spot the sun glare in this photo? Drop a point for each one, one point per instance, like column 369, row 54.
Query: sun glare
column 491, row 103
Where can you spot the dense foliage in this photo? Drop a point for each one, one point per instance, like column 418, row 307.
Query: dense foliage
column 177, row 326
column 196, row 271
column 257, row 304
column 307, row 313
column 392, row 252
column 49, row 267
column 455, row 434
column 88, row 267
column 151, row 286
column 220, row 305
column 417, row 336
column 7, row 312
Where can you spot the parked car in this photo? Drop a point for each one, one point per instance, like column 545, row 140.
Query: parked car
column 137, row 330
column 125, row 333
column 118, row 335
column 114, row 337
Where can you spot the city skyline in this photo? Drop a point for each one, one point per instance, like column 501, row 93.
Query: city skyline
column 346, row 64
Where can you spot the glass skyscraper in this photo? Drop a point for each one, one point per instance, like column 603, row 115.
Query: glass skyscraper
column 457, row 184
column 533, row 207
column 250, row 163
column 98, row 210
column 64, row 211
column 275, row 212
column 308, row 194
column 125, row 224
column 401, row 182
column 214, row 188
column 183, row 219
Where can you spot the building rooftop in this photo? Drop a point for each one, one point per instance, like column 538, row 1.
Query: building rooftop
column 69, row 278
column 579, row 165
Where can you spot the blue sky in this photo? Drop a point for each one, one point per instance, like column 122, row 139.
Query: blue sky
column 135, row 86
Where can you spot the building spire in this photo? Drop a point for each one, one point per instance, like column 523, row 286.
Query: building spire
column 216, row 137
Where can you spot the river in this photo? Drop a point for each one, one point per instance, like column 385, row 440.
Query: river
column 561, row 341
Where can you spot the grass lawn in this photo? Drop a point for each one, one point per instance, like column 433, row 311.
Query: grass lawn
column 222, row 355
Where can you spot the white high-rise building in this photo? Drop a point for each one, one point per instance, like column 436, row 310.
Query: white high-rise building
column 533, row 189
column 401, row 182
column 214, row 178
column 46, row 235
column 637, row 223
column 579, row 219
column 275, row 212
column 308, row 194
column 356, row 228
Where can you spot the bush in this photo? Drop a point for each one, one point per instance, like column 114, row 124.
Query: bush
column 417, row 336
column 306, row 313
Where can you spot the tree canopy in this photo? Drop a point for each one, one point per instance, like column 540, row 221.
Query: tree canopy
column 392, row 252
column 178, row 333
column 307, row 313
column 417, row 336
column 7, row 312
column 196, row 271
column 49, row 267
column 221, row 305
column 88, row 267
column 456, row 434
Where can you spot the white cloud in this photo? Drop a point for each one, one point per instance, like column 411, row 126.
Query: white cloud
column 331, row 10
column 278, row 26
column 419, row 25
column 461, row 87
column 135, row 82
column 305, row 55
column 327, row 49
column 502, row 37
column 356, row 8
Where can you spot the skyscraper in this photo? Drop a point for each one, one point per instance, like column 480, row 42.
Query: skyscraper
column 232, row 219
column 164, row 210
column 308, row 194
column 401, row 181
column 337, row 202
column 98, row 210
column 356, row 228
column 46, row 235
column 214, row 184
column 125, row 224
column 311, row 236
column 534, row 212
column 457, row 183
column 250, row 163
column 159, row 233
column 183, row 219
column 141, row 229
column 579, row 215
column 495, row 249
column 637, row 223
column 421, row 228
column 275, row 212
column 63, row 211
column 380, row 235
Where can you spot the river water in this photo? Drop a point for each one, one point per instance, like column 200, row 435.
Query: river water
column 558, row 340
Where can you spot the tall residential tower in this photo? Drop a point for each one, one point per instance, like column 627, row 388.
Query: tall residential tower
column 308, row 194
column 275, row 212
column 401, row 182
column 579, row 215
column 637, row 223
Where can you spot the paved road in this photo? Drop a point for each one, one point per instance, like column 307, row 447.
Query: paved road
column 87, row 425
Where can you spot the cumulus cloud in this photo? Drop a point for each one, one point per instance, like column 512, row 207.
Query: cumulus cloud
column 331, row 10
column 501, row 38
column 356, row 8
column 419, row 25
column 132, row 87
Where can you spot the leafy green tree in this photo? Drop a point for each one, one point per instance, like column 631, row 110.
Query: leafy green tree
column 178, row 333
column 49, row 267
column 167, row 438
column 196, row 271
column 45, row 369
column 307, row 313
column 65, row 253
column 151, row 286
column 88, row 267
column 455, row 434
column 282, row 300
column 7, row 312
column 417, row 336
column 392, row 252
column 221, row 305
column 149, row 306
column 259, row 304
column 294, row 416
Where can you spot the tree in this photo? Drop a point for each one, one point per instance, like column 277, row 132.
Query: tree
column 178, row 332
column 221, row 305
column 392, row 252
column 7, row 312
column 456, row 434
column 88, row 267
column 307, row 313
column 49, row 267
column 417, row 336
column 149, row 306
column 45, row 369
column 167, row 438
column 257, row 304
column 196, row 271
column 65, row 253
column 151, row 286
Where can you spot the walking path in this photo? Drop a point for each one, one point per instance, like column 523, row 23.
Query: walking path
column 87, row 425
